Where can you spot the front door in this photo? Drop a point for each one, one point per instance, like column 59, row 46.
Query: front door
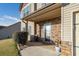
column 46, row 31
column 77, row 34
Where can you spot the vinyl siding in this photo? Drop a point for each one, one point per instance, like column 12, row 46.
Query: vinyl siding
column 23, row 26
column 8, row 31
column 67, row 23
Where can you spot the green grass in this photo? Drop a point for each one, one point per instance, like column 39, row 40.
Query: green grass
column 8, row 48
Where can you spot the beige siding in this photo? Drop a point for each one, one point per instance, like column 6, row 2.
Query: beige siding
column 39, row 5
column 32, row 7
column 67, row 21
column 23, row 26
column 31, row 27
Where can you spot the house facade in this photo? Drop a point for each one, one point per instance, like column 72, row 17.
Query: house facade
column 9, row 30
column 55, row 21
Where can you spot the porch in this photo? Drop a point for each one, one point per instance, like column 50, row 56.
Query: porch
column 44, row 23
column 38, row 49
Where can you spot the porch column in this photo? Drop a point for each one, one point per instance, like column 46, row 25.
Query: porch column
column 38, row 30
column 31, row 29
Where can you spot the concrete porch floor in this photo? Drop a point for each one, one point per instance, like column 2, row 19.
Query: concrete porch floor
column 38, row 49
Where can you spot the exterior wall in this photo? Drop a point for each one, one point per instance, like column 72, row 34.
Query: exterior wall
column 23, row 12
column 26, row 9
column 39, row 5
column 23, row 26
column 31, row 27
column 29, row 8
column 8, row 31
column 32, row 7
column 67, row 27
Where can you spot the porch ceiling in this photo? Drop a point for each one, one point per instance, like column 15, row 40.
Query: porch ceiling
column 47, row 13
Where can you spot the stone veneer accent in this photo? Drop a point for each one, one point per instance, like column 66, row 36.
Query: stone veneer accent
column 56, row 30
column 66, row 48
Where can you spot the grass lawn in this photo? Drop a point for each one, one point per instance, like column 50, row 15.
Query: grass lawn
column 8, row 48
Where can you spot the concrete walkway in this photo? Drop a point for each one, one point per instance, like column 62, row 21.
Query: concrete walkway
column 37, row 51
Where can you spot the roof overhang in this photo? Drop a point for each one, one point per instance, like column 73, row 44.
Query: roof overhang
column 49, row 12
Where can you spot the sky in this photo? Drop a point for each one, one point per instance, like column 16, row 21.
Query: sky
column 9, row 13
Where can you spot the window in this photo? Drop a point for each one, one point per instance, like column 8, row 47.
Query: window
column 26, row 11
column 46, row 31
column 35, row 6
column 43, row 4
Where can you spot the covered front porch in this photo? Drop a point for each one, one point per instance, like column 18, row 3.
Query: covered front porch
column 44, row 26
column 45, row 23
column 38, row 49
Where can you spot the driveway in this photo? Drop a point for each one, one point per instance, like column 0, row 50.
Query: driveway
column 38, row 50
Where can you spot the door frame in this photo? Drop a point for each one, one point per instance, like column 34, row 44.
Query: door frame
column 44, row 25
column 74, row 33
column 48, row 24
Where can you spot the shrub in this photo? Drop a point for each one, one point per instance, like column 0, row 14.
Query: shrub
column 20, row 37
